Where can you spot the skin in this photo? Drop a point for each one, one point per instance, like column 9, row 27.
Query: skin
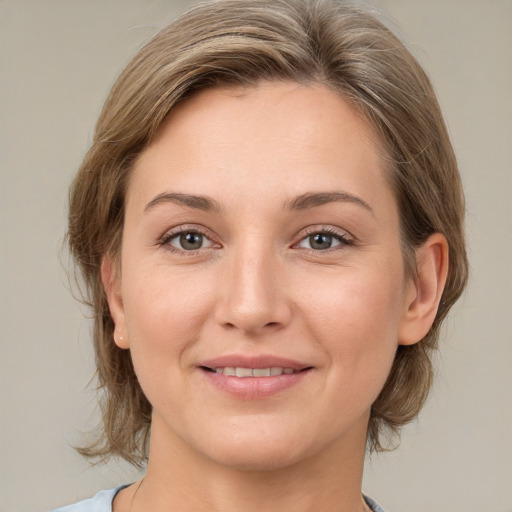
column 257, row 286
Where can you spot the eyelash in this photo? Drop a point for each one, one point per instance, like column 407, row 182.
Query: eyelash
column 170, row 235
column 341, row 238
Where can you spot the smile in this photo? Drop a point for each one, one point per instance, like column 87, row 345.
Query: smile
column 252, row 372
column 253, row 378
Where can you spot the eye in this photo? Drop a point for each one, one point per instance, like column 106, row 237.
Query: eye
column 323, row 240
column 188, row 241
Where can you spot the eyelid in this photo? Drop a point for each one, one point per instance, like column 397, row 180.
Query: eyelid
column 171, row 233
column 343, row 236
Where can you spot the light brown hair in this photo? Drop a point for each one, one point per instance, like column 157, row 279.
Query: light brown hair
column 241, row 43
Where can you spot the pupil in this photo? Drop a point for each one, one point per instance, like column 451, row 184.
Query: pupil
column 321, row 241
column 191, row 241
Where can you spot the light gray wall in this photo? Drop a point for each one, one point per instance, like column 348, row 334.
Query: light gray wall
column 57, row 61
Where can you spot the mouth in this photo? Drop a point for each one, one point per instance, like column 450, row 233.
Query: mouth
column 253, row 378
column 243, row 372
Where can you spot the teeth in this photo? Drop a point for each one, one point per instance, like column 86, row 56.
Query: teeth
column 261, row 372
column 244, row 372
column 254, row 372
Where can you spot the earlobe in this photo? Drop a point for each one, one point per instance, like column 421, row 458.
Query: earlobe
column 425, row 289
column 112, row 286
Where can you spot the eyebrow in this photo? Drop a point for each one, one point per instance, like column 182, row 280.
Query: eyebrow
column 313, row 199
column 198, row 202
column 302, row 202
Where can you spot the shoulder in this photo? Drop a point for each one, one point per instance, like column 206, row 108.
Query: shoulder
column 374, row 506
column 101, row 502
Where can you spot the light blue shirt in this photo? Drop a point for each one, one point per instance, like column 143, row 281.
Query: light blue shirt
column 102, row 502
column 373, row 504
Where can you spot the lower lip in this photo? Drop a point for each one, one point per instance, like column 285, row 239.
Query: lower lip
column 254, row 388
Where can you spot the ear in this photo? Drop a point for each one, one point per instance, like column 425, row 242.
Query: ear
column 424, row 290
column 112, row 286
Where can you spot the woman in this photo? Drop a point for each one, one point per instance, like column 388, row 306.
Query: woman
column 269, row 224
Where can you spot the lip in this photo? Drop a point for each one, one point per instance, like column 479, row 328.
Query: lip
column 261, row 361
column 253, row 388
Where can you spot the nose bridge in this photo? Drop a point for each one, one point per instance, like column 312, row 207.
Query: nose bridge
column 253, row 295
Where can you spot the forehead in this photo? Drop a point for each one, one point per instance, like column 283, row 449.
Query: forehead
column 273, row 137
column 287, row 109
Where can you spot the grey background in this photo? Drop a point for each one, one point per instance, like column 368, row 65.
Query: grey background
column 58, row 59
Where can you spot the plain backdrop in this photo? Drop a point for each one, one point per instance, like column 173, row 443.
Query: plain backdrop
column 58, row 59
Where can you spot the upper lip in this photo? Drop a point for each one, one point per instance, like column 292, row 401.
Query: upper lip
column 261, row 361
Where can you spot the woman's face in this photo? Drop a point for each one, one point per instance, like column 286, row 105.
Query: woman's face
column 261, row 289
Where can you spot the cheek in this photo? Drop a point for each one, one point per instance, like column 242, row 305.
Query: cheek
column 354, row 318
column 165, row 314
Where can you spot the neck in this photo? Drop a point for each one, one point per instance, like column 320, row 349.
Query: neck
column 326, row 482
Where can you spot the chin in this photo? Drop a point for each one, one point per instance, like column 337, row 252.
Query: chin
column 257, row 459
column 264, row 449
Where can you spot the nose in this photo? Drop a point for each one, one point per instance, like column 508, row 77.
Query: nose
column 253, row 297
